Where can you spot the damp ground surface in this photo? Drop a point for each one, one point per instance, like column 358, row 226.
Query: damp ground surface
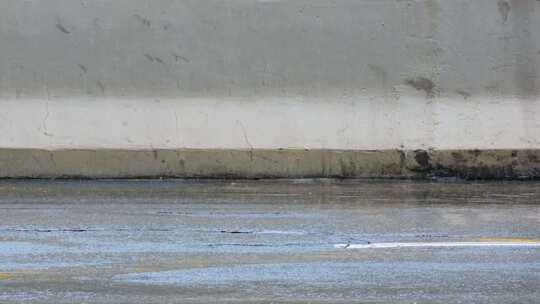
column 300, row 241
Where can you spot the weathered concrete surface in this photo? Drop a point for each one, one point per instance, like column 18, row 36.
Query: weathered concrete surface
column 254, row 48
column 267, row 241
column 366, row 122
column 465, row 164
column 345, row 75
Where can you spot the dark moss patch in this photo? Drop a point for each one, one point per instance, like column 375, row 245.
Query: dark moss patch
column 422, row 158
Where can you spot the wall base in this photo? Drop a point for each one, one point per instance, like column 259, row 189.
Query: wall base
column 187, row 163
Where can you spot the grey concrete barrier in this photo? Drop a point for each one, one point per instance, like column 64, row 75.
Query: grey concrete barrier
column 316, row 88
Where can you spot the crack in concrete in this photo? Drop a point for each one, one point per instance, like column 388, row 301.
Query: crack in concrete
column 44, row 122
column 176, row 126
column 51, row 230
column 270, row 245
column 51, row 156
column 246, row 138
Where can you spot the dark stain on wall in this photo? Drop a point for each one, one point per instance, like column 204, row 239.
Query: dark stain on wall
column 504, row 9
column 422, row 84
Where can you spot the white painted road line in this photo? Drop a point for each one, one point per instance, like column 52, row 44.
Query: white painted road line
column 438, row 245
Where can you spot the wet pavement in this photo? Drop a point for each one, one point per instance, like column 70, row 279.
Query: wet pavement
column 297, row 241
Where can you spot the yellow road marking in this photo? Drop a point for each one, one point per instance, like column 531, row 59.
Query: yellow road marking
column 6, row 276
column 510, row 240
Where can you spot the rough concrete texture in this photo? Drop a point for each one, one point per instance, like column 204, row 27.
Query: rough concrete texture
column 465, row 164
column 258, row 75
column 353, row 123
column 217, row 48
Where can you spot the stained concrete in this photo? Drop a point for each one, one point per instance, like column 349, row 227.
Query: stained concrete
column 255, row 48
column 255, row 164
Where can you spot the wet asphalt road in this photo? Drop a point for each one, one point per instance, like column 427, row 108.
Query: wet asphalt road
column 268, row 241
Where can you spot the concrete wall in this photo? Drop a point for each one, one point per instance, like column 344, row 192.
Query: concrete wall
column 308, row 77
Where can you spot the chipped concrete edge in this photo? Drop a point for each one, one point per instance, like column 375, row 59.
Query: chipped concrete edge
column 255, row 164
